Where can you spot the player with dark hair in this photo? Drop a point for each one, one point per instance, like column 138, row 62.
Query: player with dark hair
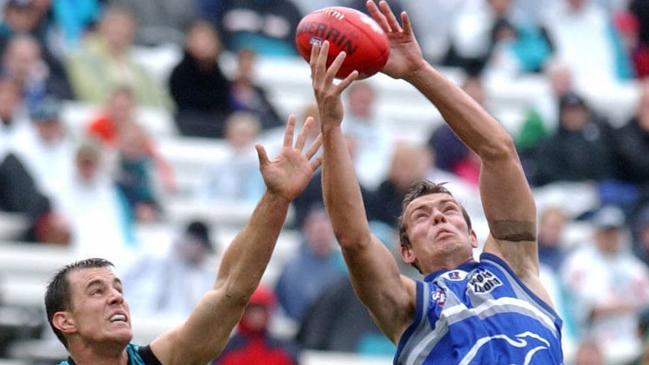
column 492, row 311
column 88, row 313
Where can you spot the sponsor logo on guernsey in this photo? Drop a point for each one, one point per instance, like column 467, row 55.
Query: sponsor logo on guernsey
column 439, row 297
column 484, row 281
column 454, row 275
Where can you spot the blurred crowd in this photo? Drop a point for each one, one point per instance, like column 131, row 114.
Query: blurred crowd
column 90, row 188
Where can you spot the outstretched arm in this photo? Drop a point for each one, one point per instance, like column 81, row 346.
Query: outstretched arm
column 506, row 197
column 204, row 334
column 374, row 272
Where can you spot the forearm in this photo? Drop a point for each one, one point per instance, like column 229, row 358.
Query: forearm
column 246, row 258
column 470, row 122
column 342, row 194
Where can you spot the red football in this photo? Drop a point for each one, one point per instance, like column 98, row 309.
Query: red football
column 346, row 30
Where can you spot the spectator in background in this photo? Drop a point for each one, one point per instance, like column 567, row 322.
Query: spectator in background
column 640, row 235
column 104, row 62
column 580, row 150
column 632, row 143
column 450, row 153
column 160, row 21
column 19, row 194
column 542, row 118
column 23, row 63
column 608, row 286
column 198, row 86
column 409, row 164
column 338, row 321
column 134, row 176
column 73, row 19
column 235, row 176
column 314, row 268
column 172, row 285
column 584, row 37
column 14, row 123
column 48, row 153
column 28, row 17
column 247, row 96
column 252, row 343
column 371, row 140
column 117, row 116
column 640, row 51
column 266, row 26
column 96, row 210
column 552, row 249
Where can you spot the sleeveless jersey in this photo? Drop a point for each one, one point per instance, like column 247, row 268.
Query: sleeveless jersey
column 480, row 313
column 136, row 356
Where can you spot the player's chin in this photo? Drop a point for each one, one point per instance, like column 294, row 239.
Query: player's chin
column 122, row 334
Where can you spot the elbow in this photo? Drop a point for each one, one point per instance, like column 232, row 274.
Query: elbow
column 502, row 147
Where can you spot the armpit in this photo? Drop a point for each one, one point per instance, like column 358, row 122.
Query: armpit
column 513, row 231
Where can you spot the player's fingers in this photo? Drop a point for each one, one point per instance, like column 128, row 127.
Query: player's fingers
column 261, row 153
column 289, row 131
column 301, row 138
column 405, row 20
column 321, row 64
column 348, row 80
column 335, row 67
column 314, row 56
column 389, row 15
column 316, row 70
column 316, row 163
column 377, row 16
column 314, row 147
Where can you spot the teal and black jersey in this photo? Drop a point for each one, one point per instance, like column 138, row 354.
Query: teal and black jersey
column 137, row 355
column 480, row 313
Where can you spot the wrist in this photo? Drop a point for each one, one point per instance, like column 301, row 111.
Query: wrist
column 421, row 72
column 276, row 198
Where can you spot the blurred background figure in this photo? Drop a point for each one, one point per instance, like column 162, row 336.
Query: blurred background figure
column 313, row 269
column 265, row 26
column 48, row 153
column 14, row 120
column 589, row 353
column 608, row 286
column 23, row 63
column 552, row 248
column 104, row 62
column 135, row 174
column 95, row 208
column 173, row 284
column 235, row 176
column 252, row 343
column 580, row 149
column 250, row 97
column 198, row 86
column 372, row 142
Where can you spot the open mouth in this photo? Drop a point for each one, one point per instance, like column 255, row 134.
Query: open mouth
column 118, row 318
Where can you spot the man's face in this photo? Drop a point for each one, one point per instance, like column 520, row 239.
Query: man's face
column 98, row 308
column 438, row 233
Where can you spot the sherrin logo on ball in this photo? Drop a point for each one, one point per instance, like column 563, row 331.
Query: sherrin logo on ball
column 348, row 30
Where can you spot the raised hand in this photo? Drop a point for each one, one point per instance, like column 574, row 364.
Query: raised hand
column 327, row 94
column 405, row 54
column 288, row 174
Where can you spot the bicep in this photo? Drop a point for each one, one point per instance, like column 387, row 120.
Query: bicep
column 378, row 283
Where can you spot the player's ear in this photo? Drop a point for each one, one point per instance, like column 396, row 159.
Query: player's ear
column 473, row 238
column 407, row 254
column 64, row 322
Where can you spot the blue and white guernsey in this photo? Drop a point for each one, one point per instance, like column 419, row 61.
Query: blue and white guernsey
column 480, row 313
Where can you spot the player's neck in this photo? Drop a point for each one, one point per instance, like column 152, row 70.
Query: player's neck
column 450, row 262
column 99, row 354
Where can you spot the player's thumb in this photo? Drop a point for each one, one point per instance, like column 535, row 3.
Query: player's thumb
column 261, row 153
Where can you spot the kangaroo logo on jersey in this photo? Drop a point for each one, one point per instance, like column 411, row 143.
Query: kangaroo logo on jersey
column 522, row 348
column 484, row 281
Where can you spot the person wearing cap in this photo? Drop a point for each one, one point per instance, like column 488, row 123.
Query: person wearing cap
column 608, row 286
column 172, row 285
column 89, row 314
column 579, row 150
column 49, row 151
column 253, row 343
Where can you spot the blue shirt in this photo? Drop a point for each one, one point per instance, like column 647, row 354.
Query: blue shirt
column 136, row 356
column 480, row 313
